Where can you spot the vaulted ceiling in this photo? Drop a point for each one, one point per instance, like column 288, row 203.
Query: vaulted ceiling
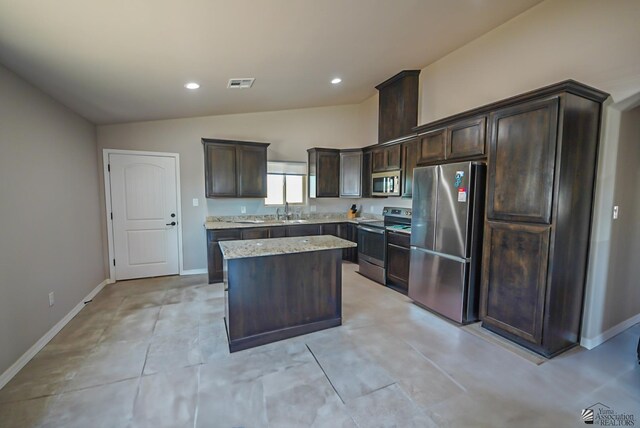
column 120, row 61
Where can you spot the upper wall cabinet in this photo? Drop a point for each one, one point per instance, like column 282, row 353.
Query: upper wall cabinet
column 324, row 173
column 409, row 162
column 398, row 105
column 351, row 173
column 463, row 139
column 386, row 158
column 235, row 169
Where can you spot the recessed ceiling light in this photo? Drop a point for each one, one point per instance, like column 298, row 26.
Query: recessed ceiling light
column 192, row 85
column 336, row 80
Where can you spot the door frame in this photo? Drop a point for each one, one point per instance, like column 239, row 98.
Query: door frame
column 107, row 197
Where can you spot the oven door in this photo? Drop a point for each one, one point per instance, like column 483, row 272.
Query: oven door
column 371, row 245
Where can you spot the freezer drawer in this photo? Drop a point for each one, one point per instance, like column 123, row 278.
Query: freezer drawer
column 440, row 284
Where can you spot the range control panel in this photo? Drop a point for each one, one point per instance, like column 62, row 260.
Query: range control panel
column 396, row 212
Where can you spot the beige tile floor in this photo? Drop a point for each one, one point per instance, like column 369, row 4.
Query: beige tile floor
column 153, row 353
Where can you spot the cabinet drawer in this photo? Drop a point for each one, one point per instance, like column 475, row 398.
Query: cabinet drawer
column 400, row 239
column 227, row 235
column 255, row 233
column 277, row 232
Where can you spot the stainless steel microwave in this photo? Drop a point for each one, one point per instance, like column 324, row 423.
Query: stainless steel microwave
column 385, row 183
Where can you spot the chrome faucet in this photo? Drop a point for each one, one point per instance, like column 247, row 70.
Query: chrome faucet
column 287, row 213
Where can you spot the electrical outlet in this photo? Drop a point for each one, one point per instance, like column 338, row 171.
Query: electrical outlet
column 615, row 212
column 52, row 299
column 371, row 208
column 243, row 209
column 312, row 208
column 196, row 202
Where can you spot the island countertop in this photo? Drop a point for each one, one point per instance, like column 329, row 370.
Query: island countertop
column 276, row 246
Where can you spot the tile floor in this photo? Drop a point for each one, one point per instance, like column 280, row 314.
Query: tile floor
column 153, row 353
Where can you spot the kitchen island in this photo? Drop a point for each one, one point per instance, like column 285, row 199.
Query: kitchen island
column 281, row 287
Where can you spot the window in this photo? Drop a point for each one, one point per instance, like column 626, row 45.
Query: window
column 285, row 183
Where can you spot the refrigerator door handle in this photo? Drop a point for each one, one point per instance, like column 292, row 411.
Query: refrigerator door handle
column 444, row 256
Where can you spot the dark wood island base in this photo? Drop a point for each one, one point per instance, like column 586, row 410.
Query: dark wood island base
column 275, row 297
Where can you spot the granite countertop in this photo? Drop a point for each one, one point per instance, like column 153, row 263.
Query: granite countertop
column 241, row 224
column 276, row 246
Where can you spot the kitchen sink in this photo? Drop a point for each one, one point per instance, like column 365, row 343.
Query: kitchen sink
column 294, row 221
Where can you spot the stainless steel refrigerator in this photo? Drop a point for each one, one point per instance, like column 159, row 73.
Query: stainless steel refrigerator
column 446, row 238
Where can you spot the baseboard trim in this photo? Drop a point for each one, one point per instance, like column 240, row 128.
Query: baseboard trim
column 194, row 272
column 27, row 356
column 608, row 334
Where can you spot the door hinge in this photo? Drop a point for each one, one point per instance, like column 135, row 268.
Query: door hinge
column 114, row 262
column 109, row 167
column 111, row 216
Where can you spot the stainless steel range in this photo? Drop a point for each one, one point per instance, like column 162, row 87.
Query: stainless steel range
column 372, row 242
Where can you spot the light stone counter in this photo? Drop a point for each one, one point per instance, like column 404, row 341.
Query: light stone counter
column 221, row 225
column 277, row 246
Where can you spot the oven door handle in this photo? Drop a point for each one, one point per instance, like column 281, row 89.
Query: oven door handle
column 366, row 229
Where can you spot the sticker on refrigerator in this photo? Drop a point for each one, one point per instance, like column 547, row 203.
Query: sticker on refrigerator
column 462, row 194
column 459, row 177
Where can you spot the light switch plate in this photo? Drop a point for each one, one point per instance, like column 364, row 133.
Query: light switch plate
column 196, row 202
column 243, row 210
column 52, row 299
column 615, row 212
column 371, row 208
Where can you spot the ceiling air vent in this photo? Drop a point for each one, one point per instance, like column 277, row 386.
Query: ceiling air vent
column 241, row 83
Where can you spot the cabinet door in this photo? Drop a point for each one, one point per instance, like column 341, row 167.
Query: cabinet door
column 328, row 174
column 378, row 160
column 220, row 170
column 252, row 171
column 351, row 174
column 514, row 278
column 303, row 230
column 214, row 254
column 431, row 146
column 330, row 229
column 277, row 232
column 409, row 162
column 393, row 156
column 467, row 138
column 366, row 174
column 522, row 152
column 255, row 233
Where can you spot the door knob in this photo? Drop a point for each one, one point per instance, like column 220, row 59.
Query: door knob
column 173, row 215
column 173, row 223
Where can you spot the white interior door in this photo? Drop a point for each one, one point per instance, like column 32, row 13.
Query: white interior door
column 145, row 217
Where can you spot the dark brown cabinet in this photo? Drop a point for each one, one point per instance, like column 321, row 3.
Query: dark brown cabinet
column 409, row 162
column 324, row 173
column 431, row 146
column 349, row 231
column 398, row 105
column 466, row 138
column 386, row 158
column 214, row 254
column 235, row 169
column 351, row 173
column 462, row 139
column 398, row 259
column 542, row 159
column 304, row 230
column 366, row 173
column 257, row 233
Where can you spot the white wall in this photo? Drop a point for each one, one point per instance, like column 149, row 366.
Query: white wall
column 290, row 132
column 50, row 236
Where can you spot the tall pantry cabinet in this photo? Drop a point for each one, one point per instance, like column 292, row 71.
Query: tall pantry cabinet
column 541, row 170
